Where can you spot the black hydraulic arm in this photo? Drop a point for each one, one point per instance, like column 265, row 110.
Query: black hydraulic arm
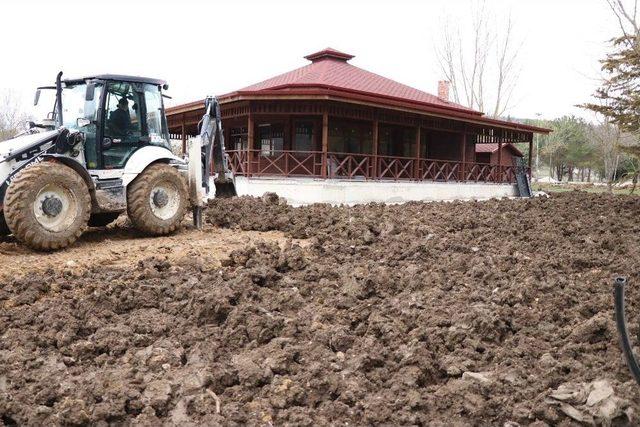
column 213, row 148
column 621, row 323
column 219, row 156
column 208, row 134
column 212, row 139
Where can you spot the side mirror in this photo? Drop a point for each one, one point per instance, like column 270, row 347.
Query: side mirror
column 91, row 90
column 82, row 122
column 37, row 97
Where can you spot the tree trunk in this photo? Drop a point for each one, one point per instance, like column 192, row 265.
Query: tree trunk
column 570, row 172
column 634, row 182
column 589, row 175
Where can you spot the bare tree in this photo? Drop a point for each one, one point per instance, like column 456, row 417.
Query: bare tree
column 484, row 61
column 626, row 17
column 12, row 115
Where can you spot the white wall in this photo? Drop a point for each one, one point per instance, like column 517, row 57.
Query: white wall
column 300, row 191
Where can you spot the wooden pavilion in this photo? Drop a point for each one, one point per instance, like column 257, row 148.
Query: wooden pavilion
column 333, row 120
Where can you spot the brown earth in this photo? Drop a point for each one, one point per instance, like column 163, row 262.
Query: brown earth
column 122, row 246
column 465, row 313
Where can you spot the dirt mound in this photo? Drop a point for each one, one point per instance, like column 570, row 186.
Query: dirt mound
column 464, row 312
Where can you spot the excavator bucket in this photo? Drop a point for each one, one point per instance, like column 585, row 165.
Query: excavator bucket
column 225, row 189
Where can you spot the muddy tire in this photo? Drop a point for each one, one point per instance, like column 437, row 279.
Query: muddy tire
column 102, row 219
column 157, row 200
column 47, row 206
column 4, row 229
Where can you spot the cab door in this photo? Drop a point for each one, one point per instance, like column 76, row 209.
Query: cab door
column 133, row 118
column 123, row 119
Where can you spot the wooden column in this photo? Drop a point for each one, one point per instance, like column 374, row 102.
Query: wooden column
column 289, row 133
column 416, row 164
column 530, row 154
column 325, row 142
column 374, row 148
column 250, row 142
column 500, row 159
column 184, row 136
column 463, row 156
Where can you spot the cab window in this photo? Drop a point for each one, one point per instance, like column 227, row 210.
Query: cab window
column 123, row 124
column 123, row 112
column 133, row 119
column 155, row 119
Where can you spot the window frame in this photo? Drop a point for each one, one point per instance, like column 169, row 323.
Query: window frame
column 272, row 150
column 239, row 134
column 143, row 139
column 312, row 127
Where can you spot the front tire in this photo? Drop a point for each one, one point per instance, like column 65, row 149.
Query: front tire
column 157, row 200
column 47, row 206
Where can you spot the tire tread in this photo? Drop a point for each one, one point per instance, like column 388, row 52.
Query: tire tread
column 17, row 209
column 138, row 200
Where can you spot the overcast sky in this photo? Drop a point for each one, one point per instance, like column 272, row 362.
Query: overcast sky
column 215, row 47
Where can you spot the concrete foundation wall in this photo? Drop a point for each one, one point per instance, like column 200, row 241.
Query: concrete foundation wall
column 301, row 191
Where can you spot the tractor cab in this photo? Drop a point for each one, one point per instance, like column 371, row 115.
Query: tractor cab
column 118, row 115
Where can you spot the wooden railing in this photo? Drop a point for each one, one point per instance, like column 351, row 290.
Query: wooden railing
column 291, row 163
column 397, row 167
column 347, row 165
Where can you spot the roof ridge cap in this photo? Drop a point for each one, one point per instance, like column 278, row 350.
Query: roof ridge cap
column 329, row 53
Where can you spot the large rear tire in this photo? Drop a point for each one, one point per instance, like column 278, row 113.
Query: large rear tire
column 157, row 200
column 47, row 206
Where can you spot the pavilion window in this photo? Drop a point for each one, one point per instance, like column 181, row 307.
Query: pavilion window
column 271, row 138
column 239, row 138
column 347, row 136
column 303, row 137
column 397, row 141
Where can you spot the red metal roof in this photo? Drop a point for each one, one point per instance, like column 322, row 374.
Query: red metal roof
column 330, row 76
column 329, row 69
column 493, row 147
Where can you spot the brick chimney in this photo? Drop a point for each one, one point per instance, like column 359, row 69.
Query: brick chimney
column 443, row 90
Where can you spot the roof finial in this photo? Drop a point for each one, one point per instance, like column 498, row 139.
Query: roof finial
column 329, row 53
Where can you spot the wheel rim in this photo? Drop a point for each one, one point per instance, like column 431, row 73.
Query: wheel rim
column 55, row 208
column 164, row 200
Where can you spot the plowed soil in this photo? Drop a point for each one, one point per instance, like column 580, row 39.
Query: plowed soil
column 463, row 313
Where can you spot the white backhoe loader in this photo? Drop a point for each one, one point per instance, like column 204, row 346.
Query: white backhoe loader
column 104, row 150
